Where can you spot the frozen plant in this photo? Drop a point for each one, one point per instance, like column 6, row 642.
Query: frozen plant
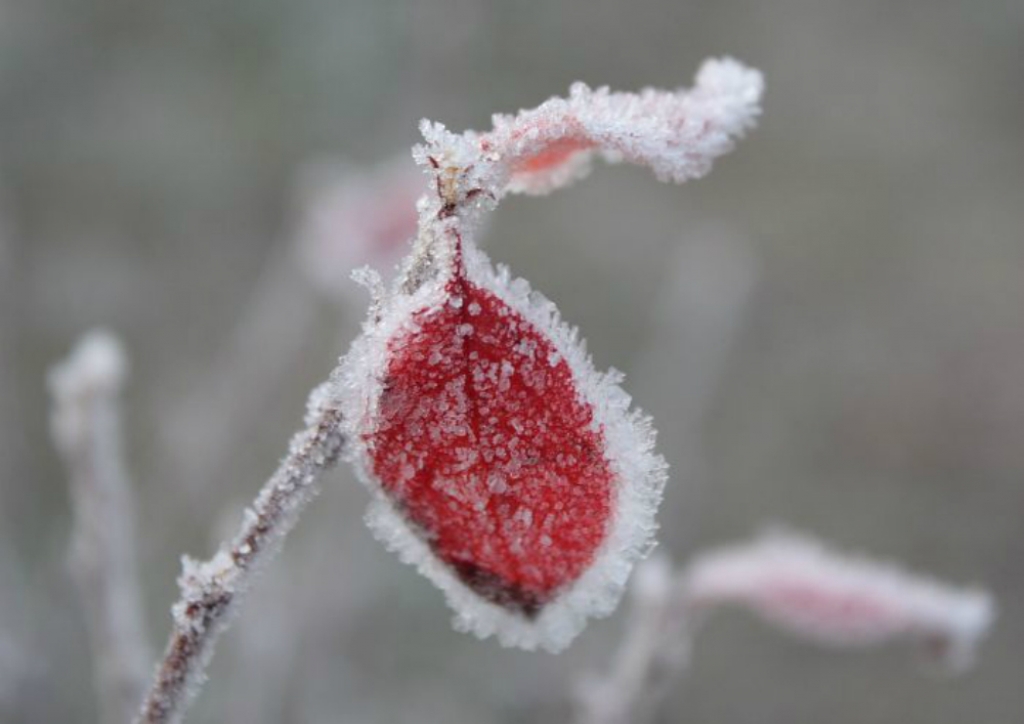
column 503, row 465
column 514, row 475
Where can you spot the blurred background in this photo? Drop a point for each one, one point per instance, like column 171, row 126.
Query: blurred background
column 828, row 329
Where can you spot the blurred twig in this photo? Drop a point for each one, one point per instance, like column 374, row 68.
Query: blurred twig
column 655, row 648
column 86, row 428
column 346, row 217
column 792, row 582
column 203, row 430
column 702, row 307
column 693, row 332
column 704, row 302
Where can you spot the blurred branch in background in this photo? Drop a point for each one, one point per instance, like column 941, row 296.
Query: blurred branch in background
column 836, row 599
column 10, row 432
column 347, row 217
column 792, row 582
column 703, row 305
column 694, row 326
column 204, row 428
column 22, row 668
column 86, row 429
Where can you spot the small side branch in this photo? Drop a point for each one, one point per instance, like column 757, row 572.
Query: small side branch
column 210, row 591
column 86, row 428
column 654, row 650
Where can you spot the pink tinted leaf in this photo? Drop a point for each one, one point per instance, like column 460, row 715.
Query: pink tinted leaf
column 678, row 134
column 351, row 217
column 809, row 590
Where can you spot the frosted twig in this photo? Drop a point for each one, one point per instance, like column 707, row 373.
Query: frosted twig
column 694, row 329
column 210, row 591
column 86, row 428
column 793, row 582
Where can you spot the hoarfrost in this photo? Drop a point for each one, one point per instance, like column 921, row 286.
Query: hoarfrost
column 535, row 486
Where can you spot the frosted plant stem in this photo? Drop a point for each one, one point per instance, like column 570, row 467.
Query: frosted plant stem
column 655, row 649
column 210, row 591
column 695, row 328
column 86, row 426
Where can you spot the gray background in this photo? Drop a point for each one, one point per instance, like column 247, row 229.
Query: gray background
column 828, row 329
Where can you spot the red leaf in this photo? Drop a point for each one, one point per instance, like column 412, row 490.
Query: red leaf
column 484, row 442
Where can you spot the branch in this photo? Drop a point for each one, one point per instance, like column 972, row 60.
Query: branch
column 210, row 591
column 86, row 428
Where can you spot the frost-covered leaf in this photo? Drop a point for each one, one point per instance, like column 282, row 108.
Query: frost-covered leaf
column 510, row 471
column 349, row 217
column 676, row 134
column 800, row 585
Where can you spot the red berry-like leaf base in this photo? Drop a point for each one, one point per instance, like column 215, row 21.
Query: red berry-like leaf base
column 484, row 443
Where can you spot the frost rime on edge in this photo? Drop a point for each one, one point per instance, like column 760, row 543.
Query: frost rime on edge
column 677, row 134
